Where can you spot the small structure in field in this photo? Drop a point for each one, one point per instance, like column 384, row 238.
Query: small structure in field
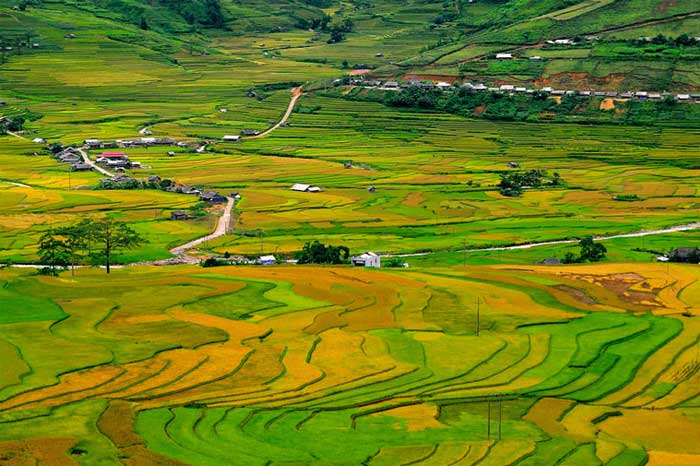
column 81, row 167
column 39, row 140
column 211, row 196
column 685, row 254
column 180, row 215
column 305, row 188
column 513, row 165
column 232, row 138
column 235, row 194
column 250, row 132
column 368, row 259
column 371, row 189
column 266, row 260
column 550, row 261
column 504, row 56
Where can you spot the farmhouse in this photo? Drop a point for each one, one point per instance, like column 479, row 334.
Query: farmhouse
column 39, row 140
column 305, row 188
column 235, row 194
column 211, row 196
column 93, row 143
column 368, row 259
column 81, row 167
column 685, row 254
column 68, row 158
column 504, row 56
column 180, row 215
column 266, row 260
column 232, row 138
column 250, row 132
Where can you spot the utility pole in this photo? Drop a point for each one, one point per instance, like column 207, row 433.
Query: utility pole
column 464, row 252
column 500, row 415
column 488, row 424
column 478, row 316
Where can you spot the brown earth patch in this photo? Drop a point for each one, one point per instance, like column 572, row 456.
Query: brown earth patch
column 51, row 451
column 577, row 294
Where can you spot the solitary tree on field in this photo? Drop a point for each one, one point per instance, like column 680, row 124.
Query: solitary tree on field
column 108, row 236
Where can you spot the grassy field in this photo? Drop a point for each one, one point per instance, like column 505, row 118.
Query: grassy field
column 571, row 358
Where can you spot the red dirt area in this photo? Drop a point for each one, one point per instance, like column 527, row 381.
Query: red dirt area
column 359, row 72
column 663, row 6
column 580, row 80
column 44, row 451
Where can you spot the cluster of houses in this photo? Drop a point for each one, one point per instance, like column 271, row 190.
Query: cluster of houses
column 513, row 89
column 72, row 156
column 140, row 142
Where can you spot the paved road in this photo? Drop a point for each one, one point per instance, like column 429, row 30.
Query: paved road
column 636, row 234
column 296, row 93
column 221, row 229
column 94, row 166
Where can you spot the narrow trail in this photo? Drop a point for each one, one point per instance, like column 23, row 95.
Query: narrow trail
column 221, row 228
column 14, row 183
column 636, row 234
column 94, row 166
column 296, row 93
column 18, row 136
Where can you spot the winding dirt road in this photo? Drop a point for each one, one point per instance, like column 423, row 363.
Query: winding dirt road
column 296, row 93
column 221, row 229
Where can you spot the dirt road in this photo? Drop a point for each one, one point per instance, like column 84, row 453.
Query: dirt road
column 296, row 93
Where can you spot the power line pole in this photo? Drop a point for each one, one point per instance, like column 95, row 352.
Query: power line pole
column 500, row 415
column 488, row 424
column 464, row 252
column 478, row 316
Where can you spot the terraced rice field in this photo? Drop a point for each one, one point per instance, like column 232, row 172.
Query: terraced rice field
column 307, row 365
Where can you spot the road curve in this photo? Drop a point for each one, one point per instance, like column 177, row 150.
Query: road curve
column 94, row 166
column 636, row 234
column 221, row 229
column 296, row 93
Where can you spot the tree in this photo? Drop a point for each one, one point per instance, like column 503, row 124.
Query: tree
column 109, row 236
column 75, row 239
column 592, row 251
column 54, row 253
column 144, row 24
column 318, row 253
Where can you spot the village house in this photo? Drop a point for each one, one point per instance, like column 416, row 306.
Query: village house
column 250, row 132
column 235, row 195
column 81, row 167
column 504, row 56
column 685, row 254
column 93, row 143
column 211, row 196
column 307, row 188
column 368, row 259
column 232, row 138
column 180, row 215
column 266, row 260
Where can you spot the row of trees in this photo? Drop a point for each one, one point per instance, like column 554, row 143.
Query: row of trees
column 318, row 253
column 512, row 183
column 91, row 241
